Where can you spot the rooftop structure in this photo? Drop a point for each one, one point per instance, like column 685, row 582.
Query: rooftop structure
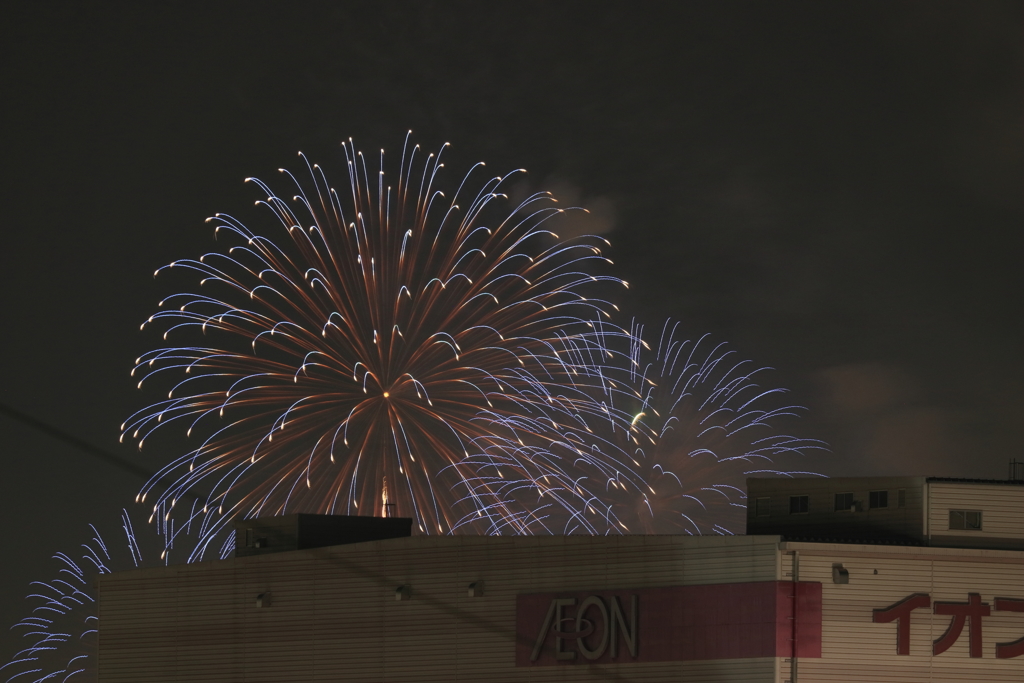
column 302, row 532
column 933, row 511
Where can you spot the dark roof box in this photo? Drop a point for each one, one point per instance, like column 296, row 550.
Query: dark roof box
column 301, row 532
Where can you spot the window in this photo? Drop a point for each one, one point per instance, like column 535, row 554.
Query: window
column 878, row 499
column 844, row 502
column 762, row 507
column 901, row 498
column 797, row 505
column 968, row 520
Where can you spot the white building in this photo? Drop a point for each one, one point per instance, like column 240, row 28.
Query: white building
column 760, row 607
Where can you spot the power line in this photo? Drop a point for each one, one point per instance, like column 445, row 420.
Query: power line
column 86, row 447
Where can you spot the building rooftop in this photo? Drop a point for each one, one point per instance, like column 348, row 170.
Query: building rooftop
column 960, row 480
column 914, row 511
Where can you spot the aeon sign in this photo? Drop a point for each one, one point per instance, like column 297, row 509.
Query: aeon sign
column 602, row 623
column 670, row 623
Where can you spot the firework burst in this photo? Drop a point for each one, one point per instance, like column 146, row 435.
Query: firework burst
column 664, row 444
column 347, row 365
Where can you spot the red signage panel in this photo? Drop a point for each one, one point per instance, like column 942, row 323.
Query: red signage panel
column 807, row 622
column 672, row 623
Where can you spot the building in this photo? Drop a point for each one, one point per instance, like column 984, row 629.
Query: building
column 931, row 511
column 884, row 592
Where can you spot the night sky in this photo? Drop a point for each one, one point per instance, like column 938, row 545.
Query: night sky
column 833, row 188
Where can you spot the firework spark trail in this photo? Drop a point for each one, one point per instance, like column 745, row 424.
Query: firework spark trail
column 664, row 446
column 363, row 349
column 62, row 626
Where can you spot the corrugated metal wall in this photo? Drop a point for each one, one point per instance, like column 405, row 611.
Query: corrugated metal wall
column 856, row 649
column 332, row 613
column 1002, row 507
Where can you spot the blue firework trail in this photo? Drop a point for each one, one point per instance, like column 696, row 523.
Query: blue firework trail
column 61, row 627
column 664, row 444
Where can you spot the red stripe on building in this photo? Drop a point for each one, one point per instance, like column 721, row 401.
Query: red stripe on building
column 673, row 623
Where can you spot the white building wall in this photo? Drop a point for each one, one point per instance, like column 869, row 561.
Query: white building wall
column 1002, row 507
column 333, row 614
column 854, row 649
